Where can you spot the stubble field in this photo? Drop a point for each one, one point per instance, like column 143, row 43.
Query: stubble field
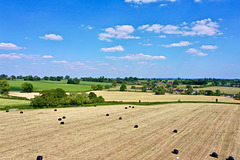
column 89, row 134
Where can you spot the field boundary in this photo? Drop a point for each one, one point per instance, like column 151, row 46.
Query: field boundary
column 115, row 103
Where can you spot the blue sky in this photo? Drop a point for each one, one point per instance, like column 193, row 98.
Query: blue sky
column 120, row 38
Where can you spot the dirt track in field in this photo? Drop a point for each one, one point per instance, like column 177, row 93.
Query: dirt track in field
column 89, row 134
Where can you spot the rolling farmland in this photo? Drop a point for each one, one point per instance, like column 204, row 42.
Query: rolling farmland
column 42, row 85
column 89, row 134
column 151, row 97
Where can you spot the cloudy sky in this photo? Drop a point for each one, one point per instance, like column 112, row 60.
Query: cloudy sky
column 118, row 38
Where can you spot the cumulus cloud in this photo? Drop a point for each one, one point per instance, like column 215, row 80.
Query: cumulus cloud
column 196, row 52
column 14, row 56
column 51, row 37
column 119, row 32
column 9, row 46
column 180, row 44
column 205, row 27
column 208, row 47
column 113, row 49
column 74, row 65
column 103, row 64
column 139, row 56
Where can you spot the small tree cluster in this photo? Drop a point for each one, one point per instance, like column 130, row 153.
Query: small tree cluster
column 73, row 81
column 97, row 87
column 55, row 97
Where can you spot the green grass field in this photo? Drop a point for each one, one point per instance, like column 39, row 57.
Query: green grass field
column 42, row 85
column 12, row 102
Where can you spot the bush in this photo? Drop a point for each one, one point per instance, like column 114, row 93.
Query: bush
column 123, row 87
column 4, row 87
column 26, row 87
column 73, row 81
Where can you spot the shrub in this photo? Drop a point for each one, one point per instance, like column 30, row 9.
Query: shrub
column 26, row 87
column 123, row 87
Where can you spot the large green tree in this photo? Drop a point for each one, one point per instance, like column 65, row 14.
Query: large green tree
column 26, row 87
column 4, row 87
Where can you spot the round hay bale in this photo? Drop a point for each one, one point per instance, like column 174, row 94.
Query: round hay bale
column 175, row 151
column 63, row 117
column 61, row 122
column 39, row 158
column 7, row 110
column 136, row 126
column 129, row 106
column 214, row 154
column 107, row 114
column 95, row 106
column 21, row 112
column 132, row 106
column 126, row 108
column 120, row 118
column 55, row 109
column 59, row 119
column 230, row 158
column 175, row 131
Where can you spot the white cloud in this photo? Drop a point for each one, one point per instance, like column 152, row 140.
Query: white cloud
column 208, row 47
column 162, row 36
column 146, row 63
column 89, row 27
column 103, row 64
column 143, row 27
column 180, row 44
column 51, row 37
column 9, row 46
column 59, row 62
column 163, row 5
column 147, row 44
column 140, row 1
column 196, row 52
column 197, row 1
column 14, row 56
column 119, row 32
column 47, row 57
column 113, row 49
column 139, row 56
column 147, row 1
column 205, row 27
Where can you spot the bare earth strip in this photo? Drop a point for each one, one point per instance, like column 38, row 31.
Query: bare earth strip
column 151, row 97
column 89, row 134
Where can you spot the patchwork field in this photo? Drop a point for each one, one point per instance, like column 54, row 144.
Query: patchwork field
column 89, row 134
column 151, row 97
column 42, row 85
column 229, row 90
column 12, row 102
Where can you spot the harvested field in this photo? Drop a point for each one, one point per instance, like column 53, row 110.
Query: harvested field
column 151, row 97
column 27, row 95
column 228, row 90
column 89, row 134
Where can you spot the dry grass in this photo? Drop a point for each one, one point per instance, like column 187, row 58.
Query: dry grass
column 89, row 134
column 229, row 90
column 27, row 95
column 151, row 97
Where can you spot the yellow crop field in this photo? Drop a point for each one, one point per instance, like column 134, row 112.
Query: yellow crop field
column 89, row 134
column 229, row 90
column 151, row 97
